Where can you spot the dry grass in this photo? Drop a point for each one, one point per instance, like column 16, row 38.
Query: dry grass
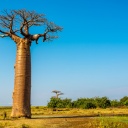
column 116, row 122
column 69, row 111
column 79, row 122
column 86, row 112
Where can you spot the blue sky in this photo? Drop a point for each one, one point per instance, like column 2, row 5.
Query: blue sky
column 90, row 57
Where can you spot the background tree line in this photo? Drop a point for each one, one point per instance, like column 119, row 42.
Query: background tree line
column 87, row 103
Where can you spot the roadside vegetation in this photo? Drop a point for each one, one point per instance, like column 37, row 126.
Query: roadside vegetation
column 84, row 112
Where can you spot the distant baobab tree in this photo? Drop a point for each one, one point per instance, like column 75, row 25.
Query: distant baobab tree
column 57, row 93
column 16, row 24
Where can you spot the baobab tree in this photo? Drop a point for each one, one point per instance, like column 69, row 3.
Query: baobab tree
column 57, row 93
column 16, row 24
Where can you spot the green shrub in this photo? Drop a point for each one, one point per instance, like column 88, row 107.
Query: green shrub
column 124, row 101
column 54, row 102
column 87, row 103
column 59, row 103
column 115, row 103
column 102, row 102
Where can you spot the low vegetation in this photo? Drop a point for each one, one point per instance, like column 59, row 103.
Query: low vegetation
column 64, row 113
column 87, row 103
column 78, row 122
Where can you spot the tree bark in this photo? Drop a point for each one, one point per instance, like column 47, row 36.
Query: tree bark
column 22, row 82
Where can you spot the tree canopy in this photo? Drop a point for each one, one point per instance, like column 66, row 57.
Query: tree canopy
column 19, row 22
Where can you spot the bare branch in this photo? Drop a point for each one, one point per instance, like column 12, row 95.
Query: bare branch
column 10, row 19
column 51, row 27
column 21, row 30
column 18, row 22
column 6, row 33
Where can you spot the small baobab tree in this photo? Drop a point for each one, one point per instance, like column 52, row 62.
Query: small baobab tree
column 16, row 24
column 57, row 93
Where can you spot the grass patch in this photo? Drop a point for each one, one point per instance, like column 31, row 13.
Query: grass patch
column 96, row 122
column 78, row 122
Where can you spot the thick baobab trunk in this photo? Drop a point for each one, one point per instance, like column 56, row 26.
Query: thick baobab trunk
column 22, row 83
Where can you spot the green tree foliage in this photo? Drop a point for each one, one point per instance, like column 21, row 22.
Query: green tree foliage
column 84, row 103
column 102, row 102
column 67, row 103
column 115, row 103
column 87, row 103
column 124, row 101
column 54, row 102
column 59, row 103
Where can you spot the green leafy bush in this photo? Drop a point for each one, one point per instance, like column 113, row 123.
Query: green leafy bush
column 87, row 103
column 124, row 101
